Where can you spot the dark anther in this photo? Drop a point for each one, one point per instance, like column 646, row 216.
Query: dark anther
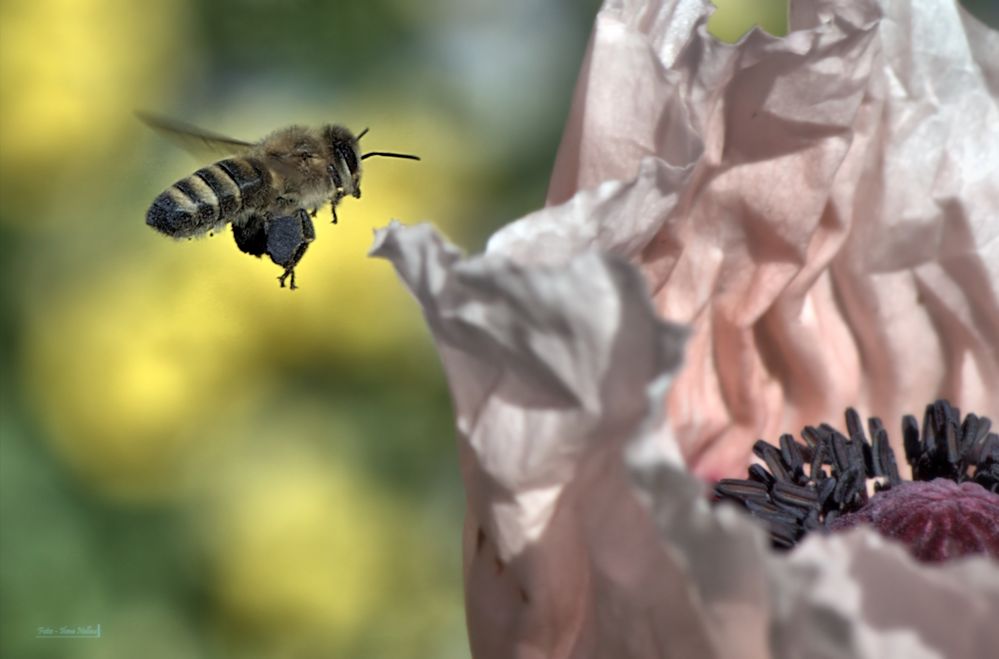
column 796, row 513
column 953, row 450
column 825, row 493
column 758, row 507
column 854, row 427
column 928, row 437
column 740, row 489
column 811, row 436
column 874, row 425
column 771, row 456
column 969, row 434
column 761, row 475
column 879, row 453
column 910, row 437
column 819, row 457
column 790, row 453
column 847, row 490
column 841, row 453
column 795, row 495
column 893, row 476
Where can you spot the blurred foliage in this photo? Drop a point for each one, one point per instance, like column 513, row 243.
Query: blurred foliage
column 734, row 18
column 986, row 11
column 203, row 463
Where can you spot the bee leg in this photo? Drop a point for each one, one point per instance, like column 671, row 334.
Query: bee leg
column 290, row 271
column 334, row 201
column 288, row 237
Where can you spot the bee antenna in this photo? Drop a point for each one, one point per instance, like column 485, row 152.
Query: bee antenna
column 361, row 134
column 389, row 154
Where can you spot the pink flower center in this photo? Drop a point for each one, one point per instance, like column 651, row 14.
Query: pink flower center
column 938, row 520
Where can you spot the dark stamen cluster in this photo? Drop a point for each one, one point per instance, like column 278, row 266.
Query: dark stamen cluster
column 805, row 487
column 947, row 448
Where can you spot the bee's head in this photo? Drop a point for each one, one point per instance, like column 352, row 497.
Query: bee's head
column 344, row 159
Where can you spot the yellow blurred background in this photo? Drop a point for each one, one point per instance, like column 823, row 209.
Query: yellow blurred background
column 200, row 462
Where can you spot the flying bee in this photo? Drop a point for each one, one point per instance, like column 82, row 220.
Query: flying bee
column 268, row 190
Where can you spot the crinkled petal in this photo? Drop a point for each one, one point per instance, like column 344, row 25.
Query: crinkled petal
column 551, row 371
column 822, row 209
column 860, row 595
column 852, row 595
column 585, row 539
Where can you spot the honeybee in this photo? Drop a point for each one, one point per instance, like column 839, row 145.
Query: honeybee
column 269, row 190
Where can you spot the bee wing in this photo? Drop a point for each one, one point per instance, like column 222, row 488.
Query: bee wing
column 192, row 139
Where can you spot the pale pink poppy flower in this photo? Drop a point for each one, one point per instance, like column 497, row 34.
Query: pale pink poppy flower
column 819, row 215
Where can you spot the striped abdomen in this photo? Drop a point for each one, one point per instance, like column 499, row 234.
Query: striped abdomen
column 210, row 197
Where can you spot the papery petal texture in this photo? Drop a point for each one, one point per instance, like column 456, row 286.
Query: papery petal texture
column 848, row 595
column 822, row 209
column 583, row 538
column 552, row 371
column 821, row 213
column 859, row 595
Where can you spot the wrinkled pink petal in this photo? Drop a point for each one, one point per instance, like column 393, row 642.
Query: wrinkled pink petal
column 551, row 371
column 584, row 539
column 861, row 596
column 823, row 212
column 823, row 209
column 848, row 595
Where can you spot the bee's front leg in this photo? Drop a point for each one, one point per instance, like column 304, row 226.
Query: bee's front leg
column 334, row 201
column 288, row 237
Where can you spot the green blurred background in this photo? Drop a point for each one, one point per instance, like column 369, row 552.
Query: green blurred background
column 203, row 463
